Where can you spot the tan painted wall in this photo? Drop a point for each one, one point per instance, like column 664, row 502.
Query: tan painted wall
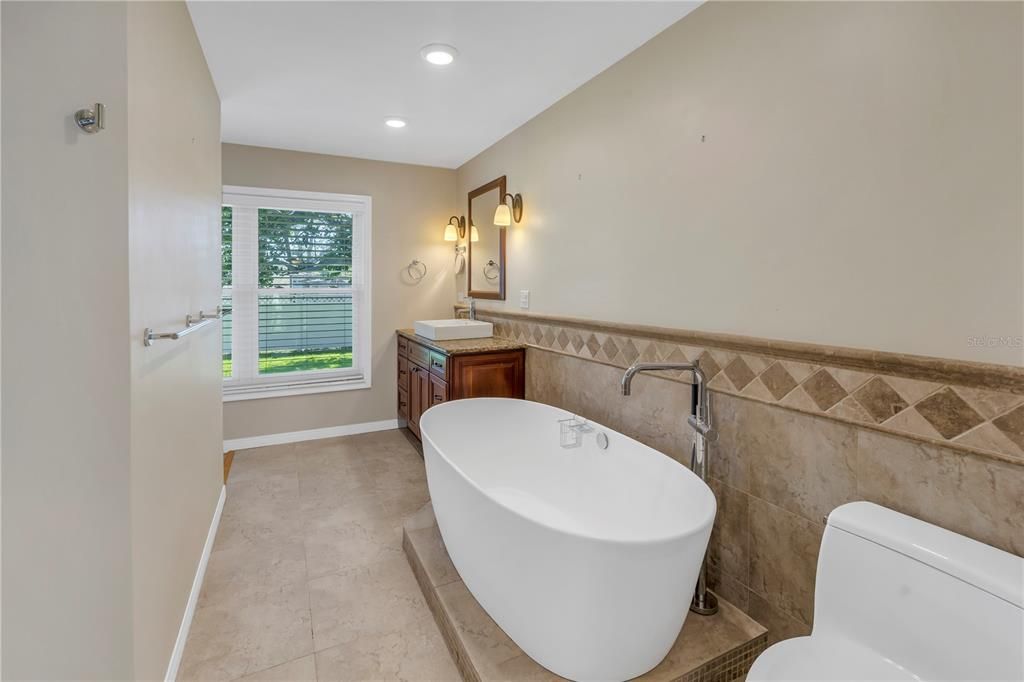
column 839, row 173
column 112, row 464
column 67, row 611
column 174, row 269
column 411, row 204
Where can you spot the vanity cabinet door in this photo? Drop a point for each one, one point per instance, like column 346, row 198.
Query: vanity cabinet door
column 489, row 375
column 419, row 396
column 403, row 404
column 403, row 373
column 438, row 390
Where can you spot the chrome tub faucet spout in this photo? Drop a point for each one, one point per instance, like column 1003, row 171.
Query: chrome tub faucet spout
column 704, row 602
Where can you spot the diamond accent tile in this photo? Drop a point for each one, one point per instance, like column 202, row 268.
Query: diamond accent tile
column 548, row 339
column 757, row 363
column 910, row 421
column 798, row 370
column 1012, row 425
column 799, row 400
column 720, row 382
column 739, row 373
column 708, row 364
column 778, row 381
column 948, row 413
column 756, row 389
column 629, row 352
column 664, row 350
column 824, row 390
column 982, row 420
column 676, row 355
column 912, row 390
column 880, row 400
column 849, row 408
column 990, row 404
column 609, row 349
column 987, row 436
column 849, row 379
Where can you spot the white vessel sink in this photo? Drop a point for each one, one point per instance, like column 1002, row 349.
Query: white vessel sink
column 447, row 330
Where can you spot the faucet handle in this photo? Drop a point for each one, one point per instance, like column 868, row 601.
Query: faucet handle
column 703, row 428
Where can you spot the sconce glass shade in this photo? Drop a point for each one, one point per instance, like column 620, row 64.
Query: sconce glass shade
column 502, row 215
column 474, row 236
column 450, row 233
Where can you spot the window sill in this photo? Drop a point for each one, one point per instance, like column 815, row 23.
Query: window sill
column 234, row 393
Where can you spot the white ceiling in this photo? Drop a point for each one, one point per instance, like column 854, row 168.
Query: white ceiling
column 322, row 76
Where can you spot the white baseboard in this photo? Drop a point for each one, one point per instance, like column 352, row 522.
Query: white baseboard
column 193, row 597
column 311, row 434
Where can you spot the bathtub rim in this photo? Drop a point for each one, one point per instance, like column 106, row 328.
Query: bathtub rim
column 706, row 521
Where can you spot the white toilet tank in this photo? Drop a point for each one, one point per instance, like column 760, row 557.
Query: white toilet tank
column 898, row 598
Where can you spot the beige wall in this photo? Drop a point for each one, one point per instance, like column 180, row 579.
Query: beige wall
column 840, row 173
column 174, row 269
column 411, row 204
column 67, row 611
column 111, row 466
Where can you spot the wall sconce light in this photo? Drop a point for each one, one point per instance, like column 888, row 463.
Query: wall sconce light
column 455, row 229
column 474, row 236
column 503, row 215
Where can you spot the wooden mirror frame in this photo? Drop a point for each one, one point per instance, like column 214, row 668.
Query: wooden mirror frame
column 498, row 295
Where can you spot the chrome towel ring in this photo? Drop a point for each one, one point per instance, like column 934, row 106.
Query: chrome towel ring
column 416, row 270
column 489, row 268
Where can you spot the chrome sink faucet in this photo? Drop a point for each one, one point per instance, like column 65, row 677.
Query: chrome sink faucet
column 472, row 307
column 704, row 602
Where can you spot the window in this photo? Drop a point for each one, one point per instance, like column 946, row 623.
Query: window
column 295, row 277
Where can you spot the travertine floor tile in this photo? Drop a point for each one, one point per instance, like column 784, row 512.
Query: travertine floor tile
column 415, row 654
column 375, row 599
column 232, row 637
column 310, row 543
column 300, row 670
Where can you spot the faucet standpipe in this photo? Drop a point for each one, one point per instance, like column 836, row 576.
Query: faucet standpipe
column 704, row 602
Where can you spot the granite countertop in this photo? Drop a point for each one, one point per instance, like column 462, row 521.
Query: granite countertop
column 464, row 346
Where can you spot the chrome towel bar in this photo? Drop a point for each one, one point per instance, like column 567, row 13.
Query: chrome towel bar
column 191, row 325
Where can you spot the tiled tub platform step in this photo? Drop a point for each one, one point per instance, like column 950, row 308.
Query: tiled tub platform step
column 718, row 648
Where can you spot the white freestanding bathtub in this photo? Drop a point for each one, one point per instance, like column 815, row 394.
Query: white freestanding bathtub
column 586, row 557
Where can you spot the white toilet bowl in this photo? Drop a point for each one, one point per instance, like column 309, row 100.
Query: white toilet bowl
column 900, row 599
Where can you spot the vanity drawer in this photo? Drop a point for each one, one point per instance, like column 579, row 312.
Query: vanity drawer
column 403, row 347
column 403, row 372
column 403, row 403
column 439, row 364
column 419, row 355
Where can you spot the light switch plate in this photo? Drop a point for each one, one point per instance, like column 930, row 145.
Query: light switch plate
column 524, row 298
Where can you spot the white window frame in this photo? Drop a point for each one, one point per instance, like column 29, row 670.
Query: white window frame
column 246, row 383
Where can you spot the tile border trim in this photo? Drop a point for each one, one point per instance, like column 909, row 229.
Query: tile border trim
column 970, row 416
column 960, row 372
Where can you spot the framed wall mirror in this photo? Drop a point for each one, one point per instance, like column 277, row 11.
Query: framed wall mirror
column 486, row 262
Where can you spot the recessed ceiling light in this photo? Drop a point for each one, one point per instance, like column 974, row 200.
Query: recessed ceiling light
column 439, row 54
column 394, row 122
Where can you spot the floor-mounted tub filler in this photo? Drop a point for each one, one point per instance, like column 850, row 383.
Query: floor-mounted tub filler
column 586, row 556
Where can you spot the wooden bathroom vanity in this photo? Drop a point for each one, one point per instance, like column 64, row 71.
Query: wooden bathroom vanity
column 431, row 372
